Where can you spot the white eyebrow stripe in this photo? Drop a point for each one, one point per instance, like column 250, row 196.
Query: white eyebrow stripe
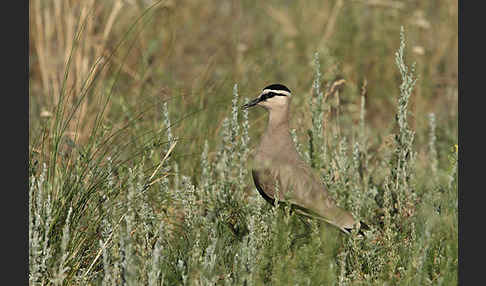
column 282, row 92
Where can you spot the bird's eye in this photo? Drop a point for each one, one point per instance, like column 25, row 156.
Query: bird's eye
column 268, row 95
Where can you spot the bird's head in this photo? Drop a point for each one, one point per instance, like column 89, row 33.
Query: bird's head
column 274, row 96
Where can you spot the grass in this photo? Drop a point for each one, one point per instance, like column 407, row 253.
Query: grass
column 138, row 148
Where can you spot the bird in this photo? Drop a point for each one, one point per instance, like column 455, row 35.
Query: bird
column 276, row 162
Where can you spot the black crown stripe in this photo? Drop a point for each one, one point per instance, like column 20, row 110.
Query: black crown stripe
column 277, row 86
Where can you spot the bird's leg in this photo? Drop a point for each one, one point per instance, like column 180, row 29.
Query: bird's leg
column 302, row 235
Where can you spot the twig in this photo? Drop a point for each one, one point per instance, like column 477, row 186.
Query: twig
column 163, row 160
column 104, row 246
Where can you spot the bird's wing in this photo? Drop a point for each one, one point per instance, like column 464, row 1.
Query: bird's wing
column 299, row 186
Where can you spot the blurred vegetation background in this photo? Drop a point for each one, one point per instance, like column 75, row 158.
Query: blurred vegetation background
column 114, row 83
column 194, row 52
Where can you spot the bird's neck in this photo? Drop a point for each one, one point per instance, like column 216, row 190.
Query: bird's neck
column 277, row 133
column 278, row 120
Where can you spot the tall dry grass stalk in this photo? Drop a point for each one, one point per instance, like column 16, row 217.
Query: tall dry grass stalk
column 69, row 47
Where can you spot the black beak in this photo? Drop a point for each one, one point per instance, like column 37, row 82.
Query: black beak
column 252, row 103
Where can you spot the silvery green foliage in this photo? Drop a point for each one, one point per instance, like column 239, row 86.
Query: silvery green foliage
column 453, row 169
column 362, row 114
column 406, row 87
column 40, row 221
column 233, row 153
column 244, row 147
column 404, row 155
column 170, row 137
column 342, row 279
column 182, row 268
column 107, row 270
column 356, row 200
column 405, row 135
column 206, row 178
column 109, row 170
column 298, row 146
column 363, row 139
column 224, row 154
column 356, row 158
column 61, row 267
column 128, row 248
column 432, row 147
column 177, row 185
column 398, row 199
column 34, row 239
column 235, row 126
column 209, row 260
column 342, row 160
column 187, row 196
column 248, row 254
column 317, row 144
column 155, row 274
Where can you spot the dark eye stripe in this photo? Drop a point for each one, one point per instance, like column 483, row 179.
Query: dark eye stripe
column 270, row 95
column 267, row 96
